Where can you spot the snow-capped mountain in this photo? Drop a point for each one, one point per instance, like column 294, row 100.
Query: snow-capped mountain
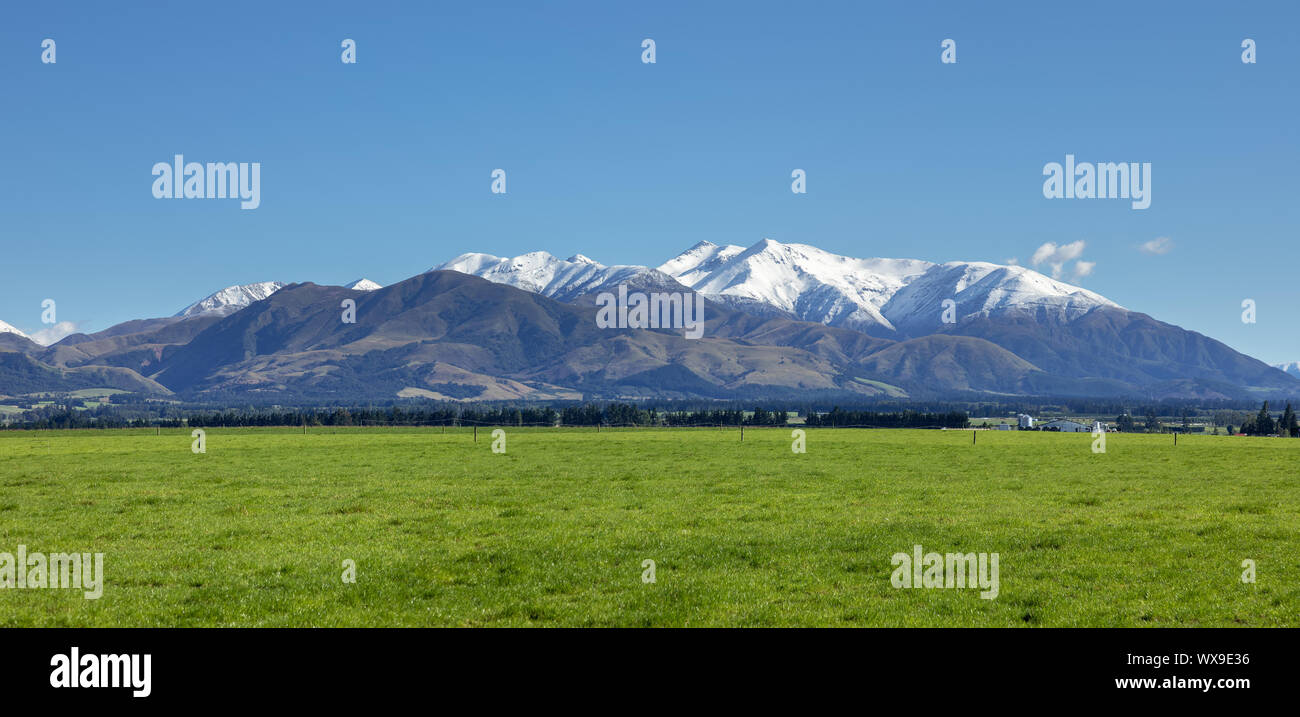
column 697, row 263
column 7, row 329
column 1291, row 367
column 804, row 281
column 894, row 295
column 364, row 285
column 542, row 273
column 232, row 298
column 883, row 296
column 983, row 289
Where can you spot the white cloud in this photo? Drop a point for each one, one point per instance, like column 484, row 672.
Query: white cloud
column 1013, row 261
column 1083, row 268
column 1159, row 245
column 1058, row 256
column 53, row 334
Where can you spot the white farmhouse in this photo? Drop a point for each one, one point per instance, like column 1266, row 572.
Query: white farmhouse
column 1064, row 425
column 1026, row 421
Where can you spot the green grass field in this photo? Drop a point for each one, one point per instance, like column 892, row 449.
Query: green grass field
column 446, row 533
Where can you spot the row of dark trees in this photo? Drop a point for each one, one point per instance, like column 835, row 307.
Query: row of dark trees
column 901, row 419
column 390, row 416
column 588, row 414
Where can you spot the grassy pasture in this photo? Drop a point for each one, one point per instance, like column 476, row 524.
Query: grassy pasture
column 446, row 533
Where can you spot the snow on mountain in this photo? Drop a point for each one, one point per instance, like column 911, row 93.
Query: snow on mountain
column 802, row 280
column 696, row 263
column 232, row 298
column 903, row 295
column 1291, row 367
column 542, row 273
column 983, row 289
column 7, row 329
column 900, row 296
column 364, row 285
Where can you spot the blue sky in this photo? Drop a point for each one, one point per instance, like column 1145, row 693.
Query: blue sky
column 381, row 168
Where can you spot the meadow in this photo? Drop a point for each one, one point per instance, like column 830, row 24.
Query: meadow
column 444, row 532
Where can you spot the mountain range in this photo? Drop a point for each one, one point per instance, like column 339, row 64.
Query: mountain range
column 890, row 298
column 782, row 321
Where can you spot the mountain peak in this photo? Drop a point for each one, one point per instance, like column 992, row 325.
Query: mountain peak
column 470, row 263
column 364, row 285
column 539, row 255
column 542, row 273
column 698, row 260
column 232, row 298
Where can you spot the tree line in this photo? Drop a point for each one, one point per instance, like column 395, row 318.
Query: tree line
column 587, row 414
column 901, row 419
column 1261, row 424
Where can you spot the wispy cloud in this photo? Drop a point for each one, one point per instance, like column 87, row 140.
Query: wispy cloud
column 1159, row 245
column 54, row 333
column 1083, row 268
column 1058, row 256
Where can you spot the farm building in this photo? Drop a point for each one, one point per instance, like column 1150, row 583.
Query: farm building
column 1025, row 421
